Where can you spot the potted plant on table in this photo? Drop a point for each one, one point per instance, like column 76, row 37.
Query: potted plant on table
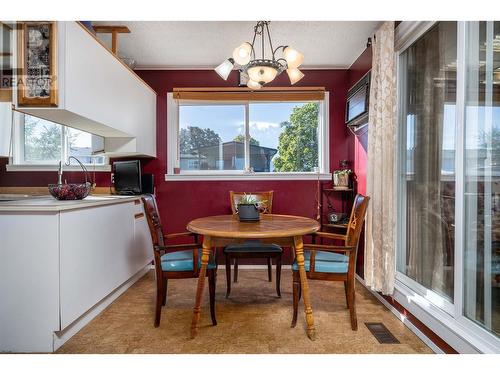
column 341, row 178
column 249, row 207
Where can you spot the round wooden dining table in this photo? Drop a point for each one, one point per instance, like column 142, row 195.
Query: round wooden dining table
column 283, row 230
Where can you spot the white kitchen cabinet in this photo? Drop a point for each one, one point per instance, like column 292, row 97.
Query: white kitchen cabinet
column 100, row 249
column 57, row 267
column 6, row 42
column 95, row 256
column 5, row 128
column 29, row 281
column 100, row 95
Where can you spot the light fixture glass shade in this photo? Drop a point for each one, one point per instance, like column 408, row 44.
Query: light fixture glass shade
column 225, row 68
column 293, row 57
column 253, row 85
column 295, row 75
column 242, row 54
column 262, row 74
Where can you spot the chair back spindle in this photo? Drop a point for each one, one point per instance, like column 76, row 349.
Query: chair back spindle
column 153, row 218
column 356, row 220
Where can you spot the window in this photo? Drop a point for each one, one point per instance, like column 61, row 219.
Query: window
column 41, row 142
column 449, row 176
column 247, row 138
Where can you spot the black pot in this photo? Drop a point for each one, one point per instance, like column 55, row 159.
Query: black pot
column 248, row 212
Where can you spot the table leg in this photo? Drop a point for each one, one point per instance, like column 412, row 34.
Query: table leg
column 201, row 283
column 299, row 254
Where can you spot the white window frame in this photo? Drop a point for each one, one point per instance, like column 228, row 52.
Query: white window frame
column 445, row 318
column 18, row 164
column 173, row 157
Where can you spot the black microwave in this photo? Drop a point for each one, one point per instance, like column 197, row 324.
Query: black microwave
column 358, row 98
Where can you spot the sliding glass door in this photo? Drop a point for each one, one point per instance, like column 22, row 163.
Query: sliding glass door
column 449, row 171
column 427, row 118
column 481, row 275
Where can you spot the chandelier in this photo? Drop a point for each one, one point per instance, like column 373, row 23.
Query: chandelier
column 263, row 70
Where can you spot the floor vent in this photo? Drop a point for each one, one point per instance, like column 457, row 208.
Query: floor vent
column 381, row 333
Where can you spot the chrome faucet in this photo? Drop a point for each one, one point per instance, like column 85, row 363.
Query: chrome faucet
column 59, row 173
column 60, row 170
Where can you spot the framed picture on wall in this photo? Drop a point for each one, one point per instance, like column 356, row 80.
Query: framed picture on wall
column 37, row 62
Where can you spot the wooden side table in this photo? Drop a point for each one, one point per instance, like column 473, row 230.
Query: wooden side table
column 347, row 196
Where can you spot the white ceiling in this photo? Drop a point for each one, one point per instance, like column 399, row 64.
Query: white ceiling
column 193, row 44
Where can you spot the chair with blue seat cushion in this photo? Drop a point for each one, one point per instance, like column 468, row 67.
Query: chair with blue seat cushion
column 253, row 248
column 334, row 263
column 175, row 261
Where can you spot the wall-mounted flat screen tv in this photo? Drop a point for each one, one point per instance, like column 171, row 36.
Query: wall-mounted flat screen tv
column 356, row 113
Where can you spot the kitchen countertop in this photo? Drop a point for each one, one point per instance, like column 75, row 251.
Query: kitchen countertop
column 47, row 203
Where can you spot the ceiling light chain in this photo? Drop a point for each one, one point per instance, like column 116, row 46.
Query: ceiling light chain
column 262, row 71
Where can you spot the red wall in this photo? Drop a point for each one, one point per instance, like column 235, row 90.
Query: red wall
column 357, row 70
column 182, row 201
column 360, row 67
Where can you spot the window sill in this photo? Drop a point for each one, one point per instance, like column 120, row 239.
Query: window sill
column 247, row 176
column 54, row 168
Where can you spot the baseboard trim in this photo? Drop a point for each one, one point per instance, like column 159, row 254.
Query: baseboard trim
column 61, row 337
column 436, row 349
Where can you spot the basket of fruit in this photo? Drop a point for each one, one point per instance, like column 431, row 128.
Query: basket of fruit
column 67, row 191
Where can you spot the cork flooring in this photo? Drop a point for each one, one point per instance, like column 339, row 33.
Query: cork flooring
column 252, row 320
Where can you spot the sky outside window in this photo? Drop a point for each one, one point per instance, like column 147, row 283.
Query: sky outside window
column 229, row 120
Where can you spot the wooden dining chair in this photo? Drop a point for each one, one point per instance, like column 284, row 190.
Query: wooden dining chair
column 181, row 261
column 334, row 263
column 253, row 248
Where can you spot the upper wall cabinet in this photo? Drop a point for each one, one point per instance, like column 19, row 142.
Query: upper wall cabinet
column 5, row 128
column 85, row 86
column 6, row 52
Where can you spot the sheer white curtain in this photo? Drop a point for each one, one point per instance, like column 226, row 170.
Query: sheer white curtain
column 382, row 148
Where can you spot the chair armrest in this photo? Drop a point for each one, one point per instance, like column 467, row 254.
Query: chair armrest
column 330, row 248
column 176, row 235
column 183, row 234
column 333, row 236
column 187, row 246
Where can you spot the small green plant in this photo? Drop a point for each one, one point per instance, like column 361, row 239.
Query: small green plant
column 342, row 172
column 251, row 199
column 341, row 177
